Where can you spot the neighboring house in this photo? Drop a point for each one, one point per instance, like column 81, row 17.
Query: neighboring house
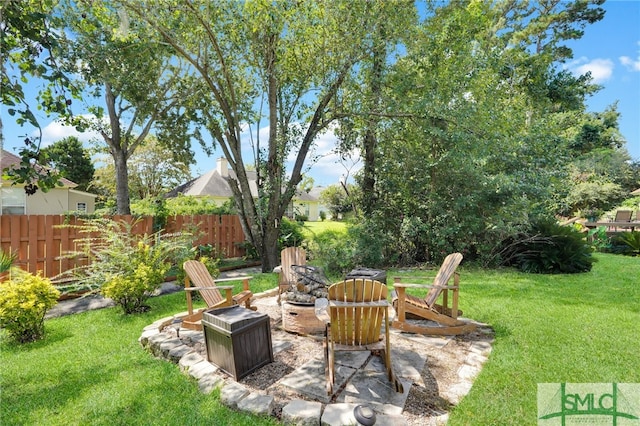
column 214, row 184
column 58, row 200
column 315, row 192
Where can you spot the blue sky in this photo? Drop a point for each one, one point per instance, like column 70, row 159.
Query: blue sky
column 610, row 49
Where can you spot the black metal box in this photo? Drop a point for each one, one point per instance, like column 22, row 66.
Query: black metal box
column 238, row 340
column 368, row 273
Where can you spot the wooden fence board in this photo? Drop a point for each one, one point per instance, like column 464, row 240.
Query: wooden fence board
column 41, row 242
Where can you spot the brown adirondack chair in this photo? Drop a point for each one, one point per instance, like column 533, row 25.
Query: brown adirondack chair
column 426, row 308
column 289, row 257
column 198, row 275
column 354, row 314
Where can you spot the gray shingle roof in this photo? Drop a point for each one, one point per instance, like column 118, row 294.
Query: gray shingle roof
column 8, row 160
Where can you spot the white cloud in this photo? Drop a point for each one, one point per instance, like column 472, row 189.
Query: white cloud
column 327, row 167
column 56, row 130
column 322, row 163
column 601, row 69
column 629, row 63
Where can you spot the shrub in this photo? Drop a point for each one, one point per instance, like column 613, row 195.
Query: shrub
column 370, row 244
column 598, row 239
column 291, row 234
column 629, row 243
column 131, row 288
column 334, row 251
column 548, row 248
column 125, row 266
column 24, row 300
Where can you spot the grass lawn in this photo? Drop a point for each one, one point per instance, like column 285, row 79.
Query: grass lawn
column 577, row 328
column 90, row 368
column 312, row 228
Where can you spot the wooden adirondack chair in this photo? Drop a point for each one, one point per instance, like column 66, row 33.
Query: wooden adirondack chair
column 354, row 314
column 446, row 317
column 288, row 257
column 198, row 275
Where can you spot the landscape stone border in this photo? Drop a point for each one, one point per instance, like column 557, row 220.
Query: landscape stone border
column 297, row 411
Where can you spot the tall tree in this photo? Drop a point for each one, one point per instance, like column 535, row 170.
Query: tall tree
column 290, row 56
column 364, row 101
column 152, row 172
column 476, row 147
column 29, row 39
column 72, row 161
column 138, row 78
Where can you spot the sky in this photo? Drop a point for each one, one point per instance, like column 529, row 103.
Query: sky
column 610, row 49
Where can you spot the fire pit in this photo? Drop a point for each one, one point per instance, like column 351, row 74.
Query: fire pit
column 298, row 312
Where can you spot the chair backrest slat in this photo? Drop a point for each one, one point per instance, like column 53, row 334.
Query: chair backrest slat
column 290, row 256
column 445, row 273
column 356, row 325
column 200, row 277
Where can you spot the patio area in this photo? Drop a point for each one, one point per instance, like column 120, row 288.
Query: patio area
column 436, row 373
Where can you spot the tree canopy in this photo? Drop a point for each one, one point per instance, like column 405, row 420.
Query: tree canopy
column 469, row 128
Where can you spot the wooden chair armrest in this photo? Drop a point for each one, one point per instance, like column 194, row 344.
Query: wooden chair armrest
column 222, row 280
column 407, row 285
column 245, row 281
column 219, row 287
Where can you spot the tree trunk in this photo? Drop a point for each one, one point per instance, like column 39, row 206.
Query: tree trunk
column 270, row 255
column 122, row 183
column 118, row 152
column 370, row 142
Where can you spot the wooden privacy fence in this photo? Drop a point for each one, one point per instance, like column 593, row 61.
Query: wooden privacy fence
column 40, row 242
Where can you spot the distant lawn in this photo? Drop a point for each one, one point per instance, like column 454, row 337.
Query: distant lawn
column 313, row 228
column 90, row 368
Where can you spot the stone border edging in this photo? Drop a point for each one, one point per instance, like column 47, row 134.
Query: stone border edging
column 298, row 411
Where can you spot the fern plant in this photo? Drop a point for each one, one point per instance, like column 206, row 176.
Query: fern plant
column 630, row 241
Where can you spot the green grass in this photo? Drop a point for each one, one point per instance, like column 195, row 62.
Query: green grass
column 90, row 368
column 313, row 228
column 578, row 328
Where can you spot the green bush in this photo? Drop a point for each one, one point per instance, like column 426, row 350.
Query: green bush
column 291, row 234
column 629, row 243
column 131, row 287
column 548, row 248
column 334, row 251
column 24, row 300
column 124, row 266
column 599, row 240
column 370, row 243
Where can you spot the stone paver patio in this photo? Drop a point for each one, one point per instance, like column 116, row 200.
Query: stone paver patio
column 361, row 378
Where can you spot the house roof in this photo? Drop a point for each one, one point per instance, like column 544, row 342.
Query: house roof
column 214, row 184
column 8, row 160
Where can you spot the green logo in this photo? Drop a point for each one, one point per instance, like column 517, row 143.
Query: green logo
column 564, row 404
